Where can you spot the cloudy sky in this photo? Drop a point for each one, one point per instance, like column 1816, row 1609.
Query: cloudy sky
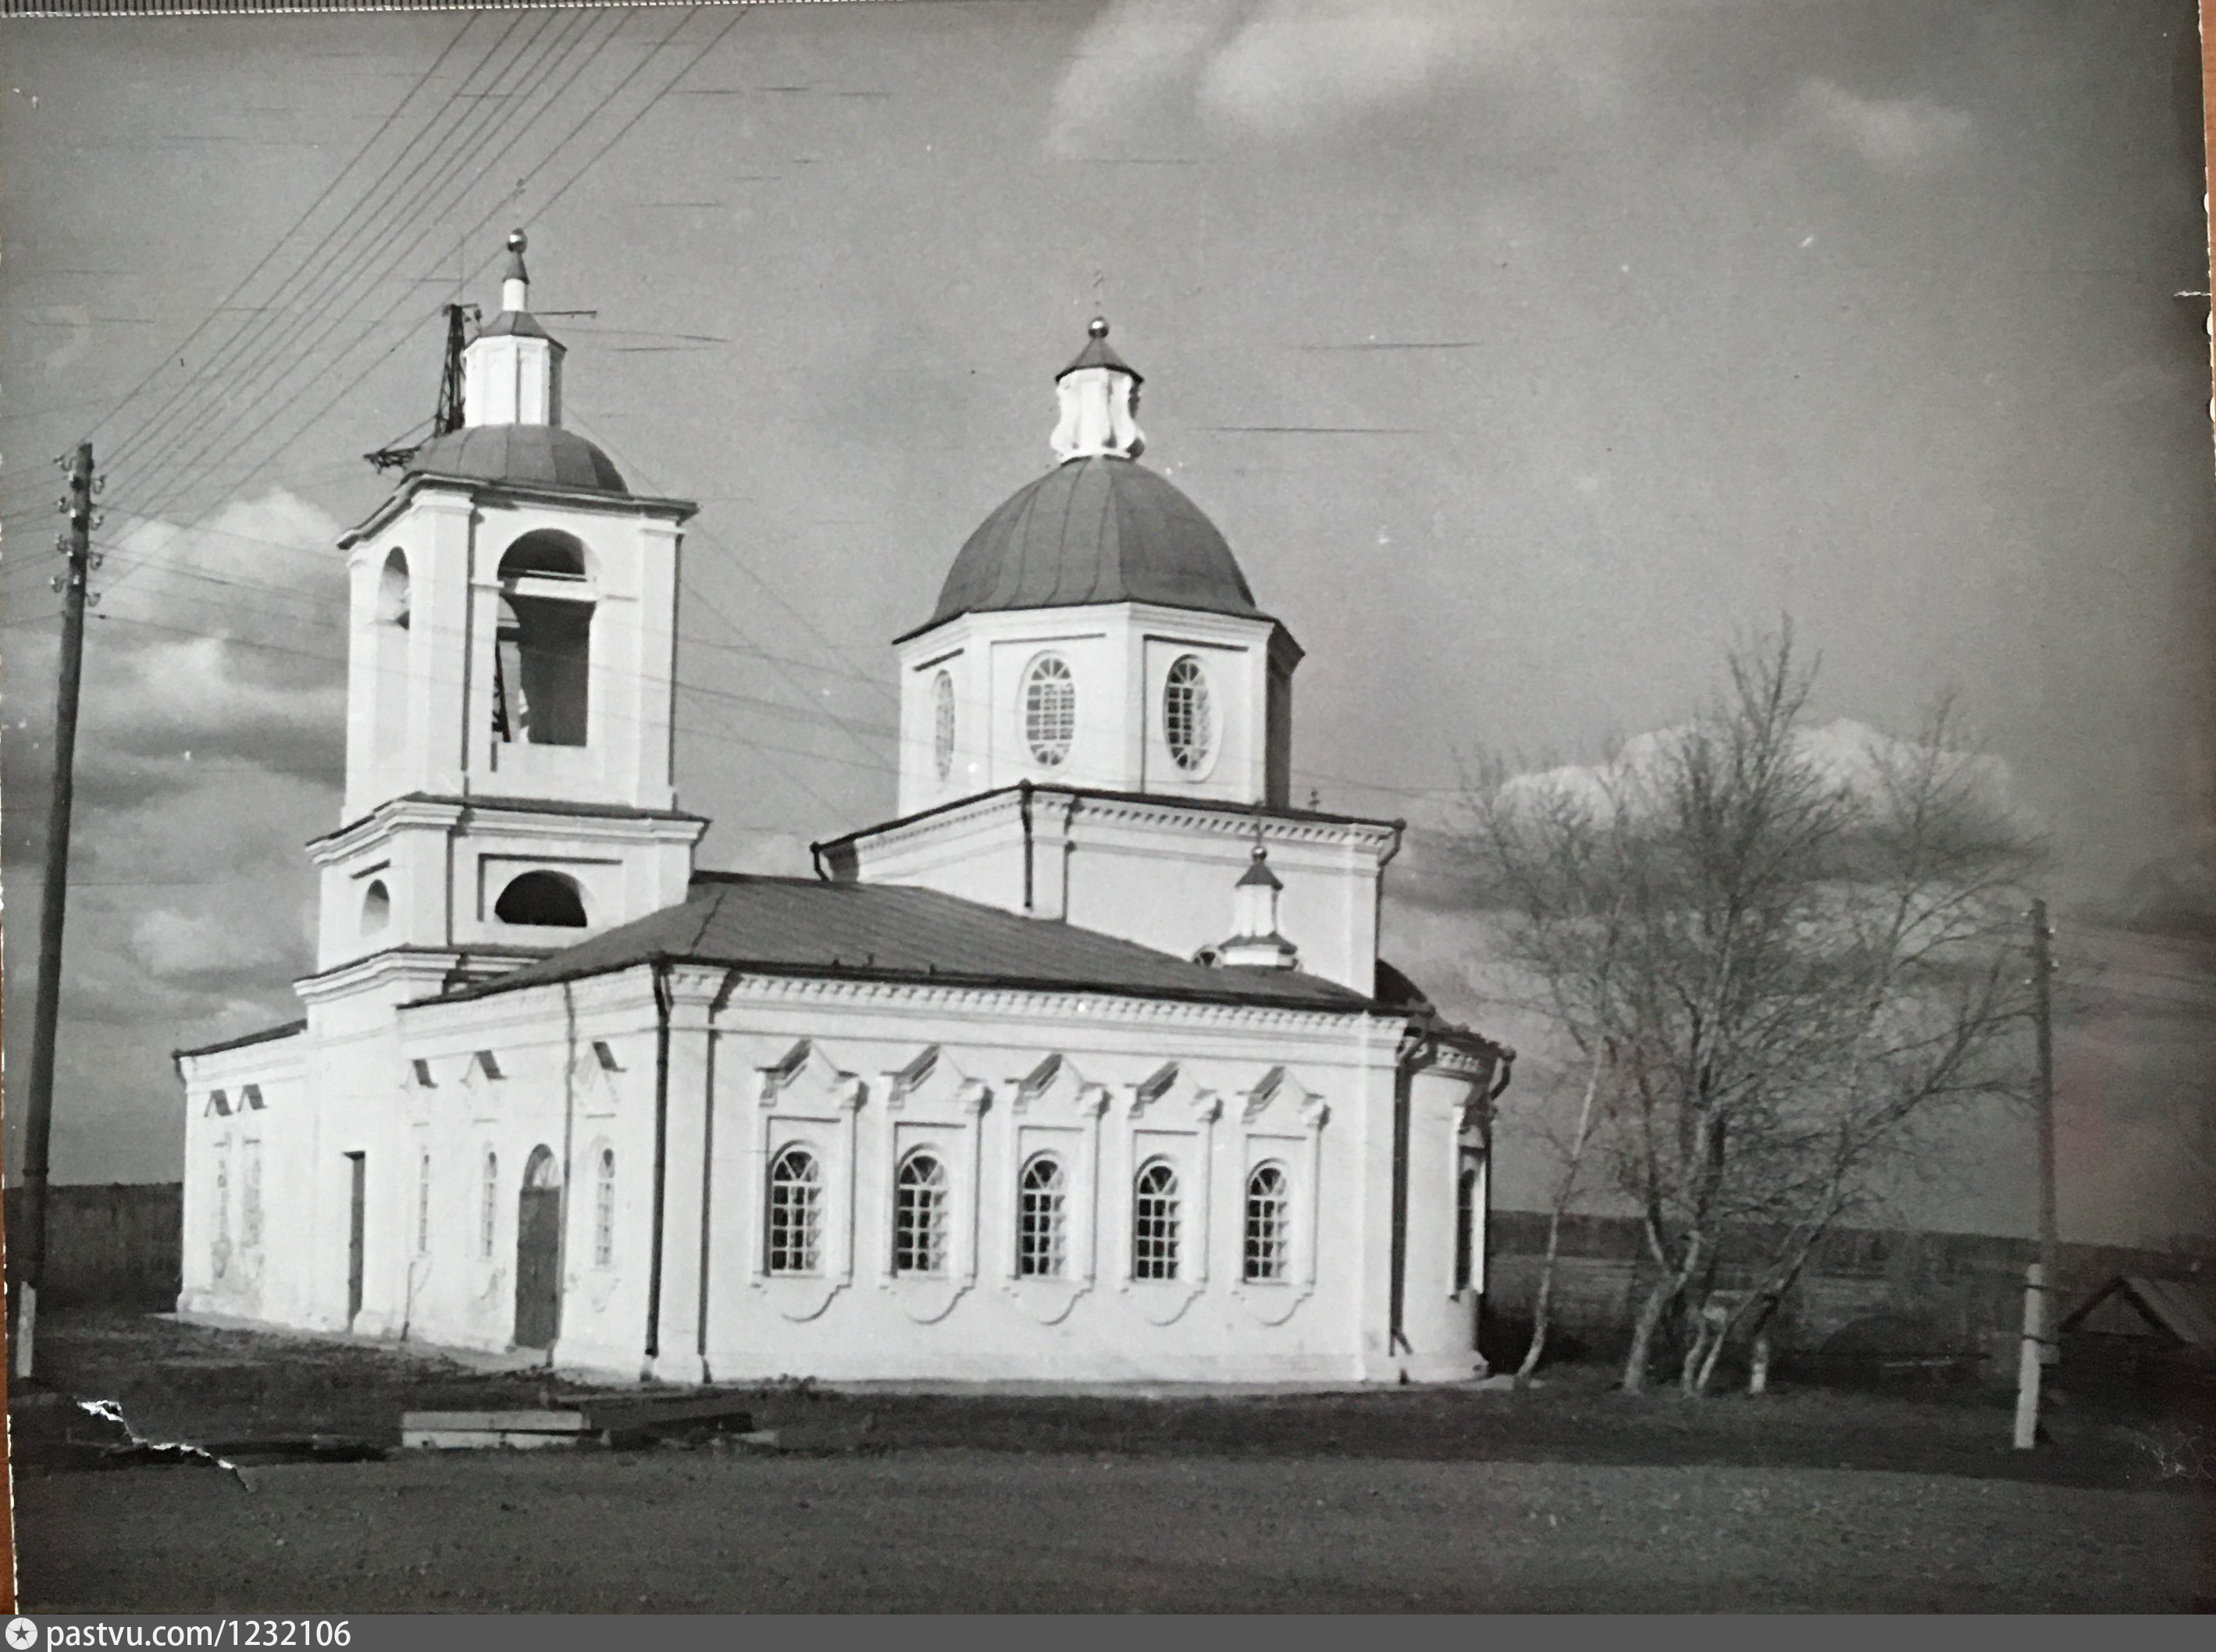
column 1526, row 353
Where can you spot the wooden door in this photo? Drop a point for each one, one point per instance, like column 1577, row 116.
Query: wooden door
column 539, row 1254
column 357, row 1167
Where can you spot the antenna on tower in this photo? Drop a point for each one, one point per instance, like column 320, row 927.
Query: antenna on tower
column 449, row 415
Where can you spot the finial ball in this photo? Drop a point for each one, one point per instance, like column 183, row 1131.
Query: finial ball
column 1099, row 327
column 517, row 241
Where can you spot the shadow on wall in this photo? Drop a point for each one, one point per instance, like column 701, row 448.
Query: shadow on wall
column 112, row 1244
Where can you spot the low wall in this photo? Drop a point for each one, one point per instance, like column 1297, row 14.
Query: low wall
column 112, row 1243
column 1966, row 1289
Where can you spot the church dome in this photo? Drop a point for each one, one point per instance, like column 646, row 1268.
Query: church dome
column 1097, row 529
column 544, row 455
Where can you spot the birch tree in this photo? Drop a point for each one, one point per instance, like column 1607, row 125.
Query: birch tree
column 1779, row 961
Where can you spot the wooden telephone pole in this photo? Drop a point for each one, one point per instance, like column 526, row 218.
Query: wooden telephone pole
column 76, row 546
column 2040, row 1347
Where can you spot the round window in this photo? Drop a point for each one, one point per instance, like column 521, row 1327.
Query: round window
column 1049, row 709
column 942, row 717
column 1188, row 717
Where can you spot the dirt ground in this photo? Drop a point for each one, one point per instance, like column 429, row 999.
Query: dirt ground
column 1568, row 1498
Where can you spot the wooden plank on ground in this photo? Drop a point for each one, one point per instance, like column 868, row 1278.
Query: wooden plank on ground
column 534, row 1423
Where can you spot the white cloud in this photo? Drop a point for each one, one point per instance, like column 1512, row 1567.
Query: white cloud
column 1277, row 68
column 204, row 947
column 1851, row 755
column 1901, row 135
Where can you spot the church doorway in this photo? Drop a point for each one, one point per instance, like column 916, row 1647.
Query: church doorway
column 357, row 1167
column 539, row 1253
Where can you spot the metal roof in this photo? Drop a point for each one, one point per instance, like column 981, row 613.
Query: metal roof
column 801, row 926
column 1093, row 530
column 544, row 454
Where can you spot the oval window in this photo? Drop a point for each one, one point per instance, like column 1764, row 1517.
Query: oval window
column 1188, row 716
column 1050, row 710
column 942, row 717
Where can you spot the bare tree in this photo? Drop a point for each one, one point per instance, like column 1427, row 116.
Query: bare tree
column 1780, row 961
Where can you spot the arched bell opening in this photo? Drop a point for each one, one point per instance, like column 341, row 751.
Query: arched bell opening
column 389, row 627
column 542, row 671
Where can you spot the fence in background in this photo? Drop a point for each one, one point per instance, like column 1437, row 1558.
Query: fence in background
column 1960, row 1292
column 109, row 1243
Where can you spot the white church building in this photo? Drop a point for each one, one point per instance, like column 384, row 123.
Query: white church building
column 1083, row 1067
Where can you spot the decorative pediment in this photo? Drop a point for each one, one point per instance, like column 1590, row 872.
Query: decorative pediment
column 218, row 1105
column 483, row 1068
column 932, row 1080
column 1285, row 1100
column 1056, row 1084
column 1172, row 1091
column 806, row 1074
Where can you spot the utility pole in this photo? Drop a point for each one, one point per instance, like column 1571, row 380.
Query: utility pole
column 76, row 546
column 2040, row 1347
column 2042, row 999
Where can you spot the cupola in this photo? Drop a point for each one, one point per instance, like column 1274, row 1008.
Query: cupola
column 512, row 371
column 1099, row 396
column 1254, row 918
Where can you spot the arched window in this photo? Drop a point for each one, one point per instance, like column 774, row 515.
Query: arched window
column 1188, row 716
column 1465, row 1226
column 1154, row 1223
column 489, row 1206
column 542, row 668
column 423, row 1205
column 604, row 1210
column 920, row 1216
column 795, row 1189
column 1269, row 1224
column 551, row 900
column 942, row 723
column 375, row 907
column 389, row 653
column 1049, row 709
column 1039, row 1219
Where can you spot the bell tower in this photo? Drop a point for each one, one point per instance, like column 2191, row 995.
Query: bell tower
column 512, row 640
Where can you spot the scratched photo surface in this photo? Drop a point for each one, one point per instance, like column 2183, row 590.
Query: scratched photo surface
column 1530, row 360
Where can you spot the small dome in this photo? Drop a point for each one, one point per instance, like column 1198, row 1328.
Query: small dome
column 1095, row 530
column 546, row 455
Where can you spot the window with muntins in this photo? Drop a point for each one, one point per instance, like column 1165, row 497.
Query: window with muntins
column 1154, row 1223
column 942, row 724
column 1040, row 1221
column 604, row 1210
column 795, row 1212
column 920, row 1216
column 489, row 1206
column 1269, row 1225
column 1188, row 716
column 1050, row 710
